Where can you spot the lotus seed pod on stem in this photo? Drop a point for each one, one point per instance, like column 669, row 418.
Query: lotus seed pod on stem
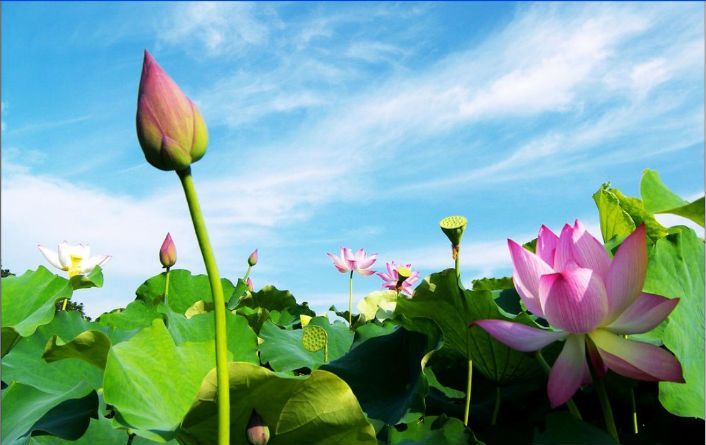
column 453, row 227
column 170, row 129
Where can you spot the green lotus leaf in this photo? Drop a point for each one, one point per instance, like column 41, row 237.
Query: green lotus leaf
column 385, row 372
column 317, row 410
column 93, row 279
column 185, row 289
column 439, row 298
column 136, row 315
column 100, row 432
column 378, row 304
column 433, row 430
column 676, row 269
column 23, row 406
column 28, row 301
column 284, row 350
column 24, row 363
column 91, row 346
column 657, row 198
column 562, row 428
column 151, row 381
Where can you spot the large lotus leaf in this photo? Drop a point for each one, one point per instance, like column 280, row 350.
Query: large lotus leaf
column 613, row 208
column 433, row 430
column 657, row 198
column 185, row 289
column 562, row 428
column 24, row 405
column 318, row 410
column 100, row 432
column 24, row 363
column 676, row 269
column 135, row 316
column 151, row 382
column 241, row 289
column 385, row 373
column 28, row 301
column 242, row 341
column 383, row 301
column 284, row 351
column 440, row 299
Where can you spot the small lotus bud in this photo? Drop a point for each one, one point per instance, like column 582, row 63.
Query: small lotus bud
column 258, row 432
column 252, row 259
column 170, row 128
column 453, row 227
column 249, row 283
column 167, row 254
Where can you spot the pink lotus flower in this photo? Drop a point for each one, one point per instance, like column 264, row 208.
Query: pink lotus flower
column 167, row 253
column 392, row 278
column 350, row 262
column 592, row 300
column 170, row 128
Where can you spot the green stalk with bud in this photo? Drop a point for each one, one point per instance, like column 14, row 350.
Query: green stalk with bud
column 173, row 135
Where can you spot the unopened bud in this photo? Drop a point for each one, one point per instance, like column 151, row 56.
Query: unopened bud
column 249, row 284
column 170, row 128
column 258, row 432
column 252, row 259
column 167, row 254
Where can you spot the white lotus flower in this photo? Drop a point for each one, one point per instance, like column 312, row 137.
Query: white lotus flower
column 76, row 260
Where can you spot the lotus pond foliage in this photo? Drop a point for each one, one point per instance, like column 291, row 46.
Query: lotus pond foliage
column 588, row 342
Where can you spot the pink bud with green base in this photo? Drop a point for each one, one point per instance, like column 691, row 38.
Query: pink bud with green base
column 167, row 253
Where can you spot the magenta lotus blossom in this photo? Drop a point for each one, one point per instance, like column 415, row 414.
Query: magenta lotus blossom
column 170, row 128
column 591, row 300
column 392, row 278
column 354, row 262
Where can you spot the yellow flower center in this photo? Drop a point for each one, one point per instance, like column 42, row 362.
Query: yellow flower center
column 75, row 268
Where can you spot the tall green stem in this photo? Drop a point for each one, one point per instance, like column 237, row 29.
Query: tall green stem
column 605, row 407
column 219, row 304
column 247, row 273
column 350, row 300
column 469, row 378
column 63, row 306
column 635, row 427
column 496, row 408
column 573, row 409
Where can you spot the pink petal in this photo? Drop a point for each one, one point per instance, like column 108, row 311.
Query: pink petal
column 341, row 265
column 564, row 250
column 385, row 276
column 573, row 300
column 588, row 252
column 546, row 245
column 391, row 268
column 366, row 272
column 519, row 336
column 528, row 268
column 635, row 359
column 646, row 312
column 568, row 372
column 627, row 273
column 349, row 258
column 367, row 262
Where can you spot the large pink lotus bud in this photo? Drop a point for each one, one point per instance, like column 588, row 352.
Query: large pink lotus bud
column 258, row 433
column 167, row 254
column 170, row 128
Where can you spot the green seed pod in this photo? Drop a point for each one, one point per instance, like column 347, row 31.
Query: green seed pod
column 314, row 338
column 453, row 227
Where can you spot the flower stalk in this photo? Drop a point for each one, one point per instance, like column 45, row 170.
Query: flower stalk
column 496, row 408
column 605, row 407
column 350, row 300
column 223, row 393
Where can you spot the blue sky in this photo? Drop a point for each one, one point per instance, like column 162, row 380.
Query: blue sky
column 340, row 124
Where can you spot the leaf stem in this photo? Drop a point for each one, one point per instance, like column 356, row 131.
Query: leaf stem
column 350, row 300
column 605, row 407
column 247, row 273
column 573, row 409
column 469, row 379
column 223, row 392
column 635, row 426
column 496, row 408
column 63, row 306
